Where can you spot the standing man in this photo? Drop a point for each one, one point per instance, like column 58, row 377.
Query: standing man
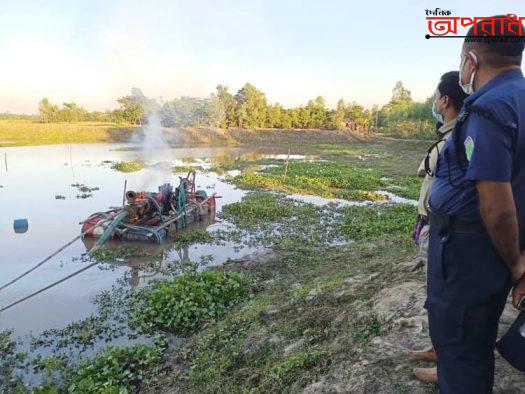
column 448, row 100
column 476, row 202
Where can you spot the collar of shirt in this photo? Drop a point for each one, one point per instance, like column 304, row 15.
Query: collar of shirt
column 444, row 129
column 500, row 78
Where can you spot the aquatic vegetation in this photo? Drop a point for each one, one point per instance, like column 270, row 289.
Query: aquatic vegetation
column 83, row 188
column 11, row 361
column 326, row 179
column 127, row 166
column 186, row 301
column 272, row 219
column 84, row 191
column 120, row 253
column 185, row 169
column 60, row 197
column 83, row 196
column 196, row 235
column 377, row 221
column 117, row 369
column 256, row 208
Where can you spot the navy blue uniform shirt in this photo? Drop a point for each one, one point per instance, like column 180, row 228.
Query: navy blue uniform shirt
column 492, row 152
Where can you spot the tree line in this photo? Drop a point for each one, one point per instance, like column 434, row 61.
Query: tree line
column 249, row 108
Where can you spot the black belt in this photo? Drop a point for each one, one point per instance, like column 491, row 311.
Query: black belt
column 457, row 224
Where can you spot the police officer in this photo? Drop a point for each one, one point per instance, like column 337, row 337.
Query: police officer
column 476, row 201
column 448, row 100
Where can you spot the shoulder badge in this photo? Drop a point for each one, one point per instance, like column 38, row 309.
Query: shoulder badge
column 469, row 147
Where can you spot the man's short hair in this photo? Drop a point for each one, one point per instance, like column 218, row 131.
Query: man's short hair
column 504, row 48
column 449, row 86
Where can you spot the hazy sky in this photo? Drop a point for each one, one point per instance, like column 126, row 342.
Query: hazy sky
column 94, row 51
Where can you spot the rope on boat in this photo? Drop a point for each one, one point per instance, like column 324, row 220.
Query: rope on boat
column 48, row 287
column 109, row 217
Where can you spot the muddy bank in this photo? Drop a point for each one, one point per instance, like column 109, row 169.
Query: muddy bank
column 271, row 136
column 335, row 320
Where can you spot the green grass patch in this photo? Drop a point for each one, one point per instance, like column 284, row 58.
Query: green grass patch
column 18, row 132
column 366, row 328
column 407, row 187
column 290, row 369
column 188, row 300
column 127, row 166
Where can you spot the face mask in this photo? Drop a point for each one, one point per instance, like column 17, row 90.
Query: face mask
column 468, row 88
column 438, row 117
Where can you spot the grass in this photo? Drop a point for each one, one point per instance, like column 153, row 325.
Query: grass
column 16, row 132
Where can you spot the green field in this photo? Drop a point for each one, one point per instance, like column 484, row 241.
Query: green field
column 17, row 132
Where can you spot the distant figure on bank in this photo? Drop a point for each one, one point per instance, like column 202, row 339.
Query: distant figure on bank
column 448, row 100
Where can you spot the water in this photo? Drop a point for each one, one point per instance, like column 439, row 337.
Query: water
column 35, row 175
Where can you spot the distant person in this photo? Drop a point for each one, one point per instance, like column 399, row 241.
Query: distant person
column 448, row 100
column 477, row 203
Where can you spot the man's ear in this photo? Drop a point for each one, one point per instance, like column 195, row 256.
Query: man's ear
column 474, row 59
column 446, row 102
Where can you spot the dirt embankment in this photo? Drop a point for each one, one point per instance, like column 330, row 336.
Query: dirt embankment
column 192, row 135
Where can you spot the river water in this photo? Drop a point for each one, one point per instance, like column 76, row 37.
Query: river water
column 30, row 180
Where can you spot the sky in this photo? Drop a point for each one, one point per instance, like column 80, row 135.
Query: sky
column 94, row 51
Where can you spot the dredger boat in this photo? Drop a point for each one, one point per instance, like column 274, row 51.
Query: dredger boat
column 152, row 216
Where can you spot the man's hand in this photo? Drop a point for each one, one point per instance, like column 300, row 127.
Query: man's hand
column 518, row 277
column 518, row 293
column 518, row 269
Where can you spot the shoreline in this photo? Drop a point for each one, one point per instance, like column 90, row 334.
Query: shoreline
column 29, row 133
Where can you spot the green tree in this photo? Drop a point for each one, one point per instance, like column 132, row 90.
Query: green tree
column 136, row 105
column 317, row 113
column 274, row 115
column 339, row 115
column 187, row 111
column 251, row 107
column 224, row 107
column 400, row 94
column 48, row 112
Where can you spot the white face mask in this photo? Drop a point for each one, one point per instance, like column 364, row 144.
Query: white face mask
column 468, row 88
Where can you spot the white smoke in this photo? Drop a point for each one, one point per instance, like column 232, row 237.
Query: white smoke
column 153, row 147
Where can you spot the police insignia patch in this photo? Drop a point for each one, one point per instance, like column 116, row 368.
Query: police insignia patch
column 469, row 147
